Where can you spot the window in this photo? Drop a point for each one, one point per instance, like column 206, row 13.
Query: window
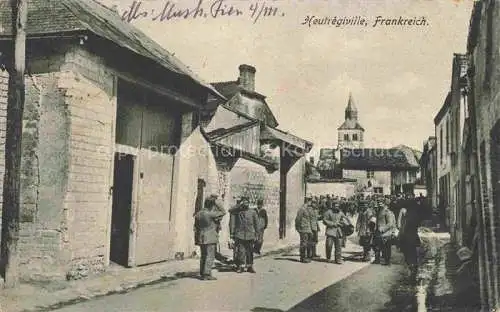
column 346, row 137
column 378, row 190
column 370, row 174
column 447, row 136
column 441, row 144
column 355, row 137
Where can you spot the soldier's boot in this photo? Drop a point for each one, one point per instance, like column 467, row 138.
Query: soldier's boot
column 303, row 254
column 314, row 252
column 377, row 258
column 251, row 269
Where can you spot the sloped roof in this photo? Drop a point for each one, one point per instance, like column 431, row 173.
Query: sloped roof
column 220, row 133
column 269, row 133
column 377, row 159
column 351, row 107
column 416, row 153
column 231, row 89
column 47, row 17
column 351, row 124
column 443, row 110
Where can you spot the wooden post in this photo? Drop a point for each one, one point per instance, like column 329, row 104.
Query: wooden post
column 13, row 150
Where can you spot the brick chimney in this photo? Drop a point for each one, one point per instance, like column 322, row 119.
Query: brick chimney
column 247, row 77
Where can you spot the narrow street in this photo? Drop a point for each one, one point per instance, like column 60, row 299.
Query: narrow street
column 281, row 284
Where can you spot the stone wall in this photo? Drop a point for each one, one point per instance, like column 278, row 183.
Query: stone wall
column 91, row 100
column 485, row 59
column 343, row 189
column 4, row 84
column 254, row 181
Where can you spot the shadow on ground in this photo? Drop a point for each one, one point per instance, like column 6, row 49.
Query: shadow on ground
column 374, row 288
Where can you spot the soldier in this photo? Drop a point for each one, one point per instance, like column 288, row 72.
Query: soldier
column 263, row 220
column 243, row 228
column 315, row 217
column 365, row 227
column 303, row 222
column 334, row 219
column 386, row 223
column 206, row 221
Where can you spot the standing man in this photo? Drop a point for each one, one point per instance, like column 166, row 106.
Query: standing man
column 408, row 223
column 365, row 227
column 315, row 217
column 333, row 219
column 206, row 223
column 303, row 222
column 263, row 220
column 386, row 223
column 243, row 228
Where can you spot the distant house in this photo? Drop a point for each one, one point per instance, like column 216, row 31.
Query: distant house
column 107, row 112
column 371, row 170
column 428, row 170
column 381, row 171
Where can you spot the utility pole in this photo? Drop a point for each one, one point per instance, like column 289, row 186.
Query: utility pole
column 13, row 150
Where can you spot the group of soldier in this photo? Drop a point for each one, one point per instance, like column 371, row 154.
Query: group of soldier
column 377, row 228
column 246, row 229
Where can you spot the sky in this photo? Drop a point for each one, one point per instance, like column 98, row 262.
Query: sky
column 399, row 76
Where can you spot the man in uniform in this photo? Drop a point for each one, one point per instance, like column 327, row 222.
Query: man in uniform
column 334, row 219
column 263, row 220
column 303, row 222
column 206, row 223
column 386, row 223
column 243, row 228
column 315, row 217
column 365, row 227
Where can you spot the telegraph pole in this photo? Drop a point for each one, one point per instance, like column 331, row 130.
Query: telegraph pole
column 13, row 150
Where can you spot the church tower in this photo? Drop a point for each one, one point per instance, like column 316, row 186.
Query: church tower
column 350, row 132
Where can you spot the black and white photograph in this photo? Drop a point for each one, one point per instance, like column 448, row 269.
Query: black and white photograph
column 250, row 155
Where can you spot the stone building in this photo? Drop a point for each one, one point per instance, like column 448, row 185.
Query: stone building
column 350, row 133
column 107, row 114
column 428, row 171
column 483, row 51
column 351, row 168
column 442, row 130
column 269, row 163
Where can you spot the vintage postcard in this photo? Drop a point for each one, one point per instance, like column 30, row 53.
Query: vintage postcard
column 249, row 155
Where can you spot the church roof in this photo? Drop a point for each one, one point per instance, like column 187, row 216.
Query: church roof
column 351, row 124
column 350, row 104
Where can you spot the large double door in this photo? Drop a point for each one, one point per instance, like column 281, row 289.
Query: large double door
column 148, row 133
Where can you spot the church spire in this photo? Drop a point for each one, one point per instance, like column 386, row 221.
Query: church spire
column 351, row 112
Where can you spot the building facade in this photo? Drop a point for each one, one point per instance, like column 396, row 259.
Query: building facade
column 483, row 89
column 442, row 129
column 428, row 170
column 270, row 163
column 117, row 153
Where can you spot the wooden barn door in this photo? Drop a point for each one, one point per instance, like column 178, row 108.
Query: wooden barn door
column 159, row 140
column 151, row 126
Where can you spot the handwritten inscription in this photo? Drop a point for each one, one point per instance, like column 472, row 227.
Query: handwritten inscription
column 170, row 10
